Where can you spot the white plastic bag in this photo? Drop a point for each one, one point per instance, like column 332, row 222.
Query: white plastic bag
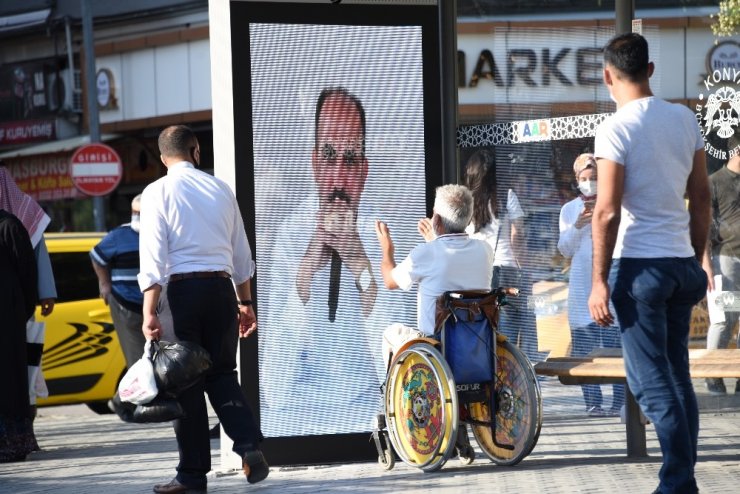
column 35, row 341
column 138, row 385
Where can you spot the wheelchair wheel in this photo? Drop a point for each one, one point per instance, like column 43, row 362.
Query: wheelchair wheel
column 518, row 409
column 387, row 461
column 421, row 407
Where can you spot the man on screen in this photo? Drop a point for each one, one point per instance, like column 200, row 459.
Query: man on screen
column 340, row 171
column 320, row 363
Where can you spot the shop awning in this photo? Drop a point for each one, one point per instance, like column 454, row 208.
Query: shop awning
column 23, row 20
column 54, row 146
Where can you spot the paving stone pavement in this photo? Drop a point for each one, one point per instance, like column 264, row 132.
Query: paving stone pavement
column 84, row 453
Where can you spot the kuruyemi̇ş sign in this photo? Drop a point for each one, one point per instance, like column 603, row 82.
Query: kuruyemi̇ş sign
column 96, row 169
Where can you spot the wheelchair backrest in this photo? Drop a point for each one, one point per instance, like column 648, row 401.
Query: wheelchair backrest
column 468, row 305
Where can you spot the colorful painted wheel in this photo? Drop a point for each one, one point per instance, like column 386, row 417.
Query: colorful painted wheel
column 421, row 407
column 518, row 409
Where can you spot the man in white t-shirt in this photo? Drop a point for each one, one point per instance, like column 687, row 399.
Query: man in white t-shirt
column 452, row 261
column 649, row 246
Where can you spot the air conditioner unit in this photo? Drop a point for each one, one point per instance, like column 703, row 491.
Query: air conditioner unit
column 64, row 91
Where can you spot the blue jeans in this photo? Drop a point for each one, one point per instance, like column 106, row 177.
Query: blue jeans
column 653, row 299
column 585, row 339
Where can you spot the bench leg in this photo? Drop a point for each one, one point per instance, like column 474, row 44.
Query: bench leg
column 636, row 442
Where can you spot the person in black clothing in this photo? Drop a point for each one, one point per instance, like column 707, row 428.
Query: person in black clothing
column 18, row 296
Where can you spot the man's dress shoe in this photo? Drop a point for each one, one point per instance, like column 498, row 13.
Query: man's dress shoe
column 175, row 487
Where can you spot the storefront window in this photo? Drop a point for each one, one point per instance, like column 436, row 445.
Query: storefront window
column 530, row 98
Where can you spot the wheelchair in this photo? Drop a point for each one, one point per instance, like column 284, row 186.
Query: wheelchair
column 427, row 413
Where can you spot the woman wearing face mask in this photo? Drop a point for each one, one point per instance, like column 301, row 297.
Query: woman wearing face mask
column 575, row 243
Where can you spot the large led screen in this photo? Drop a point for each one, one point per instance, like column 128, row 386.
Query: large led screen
column 338, row 143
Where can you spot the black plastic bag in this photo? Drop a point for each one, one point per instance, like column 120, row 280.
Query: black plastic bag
column 160, row 409
column 123, row 409
column 177, row 366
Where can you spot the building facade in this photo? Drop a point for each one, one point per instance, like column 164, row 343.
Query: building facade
column 516, row 61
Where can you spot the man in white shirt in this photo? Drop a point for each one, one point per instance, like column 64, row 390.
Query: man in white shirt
column 648, row 247
column 193, row 237
column 452, row 261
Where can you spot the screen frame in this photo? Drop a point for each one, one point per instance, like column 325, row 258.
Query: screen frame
column 334, row 447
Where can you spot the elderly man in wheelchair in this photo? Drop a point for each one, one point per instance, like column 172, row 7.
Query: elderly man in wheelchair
column 455, row 369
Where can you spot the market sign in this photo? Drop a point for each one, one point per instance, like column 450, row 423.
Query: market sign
column 96, row 169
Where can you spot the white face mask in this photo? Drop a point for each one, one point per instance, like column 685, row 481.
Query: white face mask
column 587, row 188
column 135, row 222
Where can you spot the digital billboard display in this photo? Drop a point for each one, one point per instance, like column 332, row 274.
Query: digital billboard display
column 337, row 125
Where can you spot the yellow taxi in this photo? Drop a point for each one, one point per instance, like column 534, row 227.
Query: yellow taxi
column 82, row 360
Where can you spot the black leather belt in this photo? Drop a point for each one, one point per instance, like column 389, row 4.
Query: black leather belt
column 199, row 274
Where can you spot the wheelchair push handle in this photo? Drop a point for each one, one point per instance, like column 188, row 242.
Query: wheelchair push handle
column 514, row 292
column 500, row 293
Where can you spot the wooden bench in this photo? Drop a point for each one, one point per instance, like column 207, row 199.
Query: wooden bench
column 606, row 366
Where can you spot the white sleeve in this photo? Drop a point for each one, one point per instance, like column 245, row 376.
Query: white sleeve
column 242, row 253
column 570, row 236
column 412, row 269
column 402, row 274
column 697, row 132
column 286, row 323
column 608, row 144
column 513, row 207
column 46, row 286
column 152, row 240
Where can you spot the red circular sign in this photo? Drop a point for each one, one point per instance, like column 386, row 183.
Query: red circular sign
column 96, row 169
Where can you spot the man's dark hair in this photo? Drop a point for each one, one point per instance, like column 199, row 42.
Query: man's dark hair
column 628, row 53
column 338, row 91
column 177, row 141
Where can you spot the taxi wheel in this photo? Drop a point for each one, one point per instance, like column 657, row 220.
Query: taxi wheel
column 99, row 407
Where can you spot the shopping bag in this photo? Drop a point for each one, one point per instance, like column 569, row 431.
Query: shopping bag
column 177, row 366
column 35, row 347
column 160, row 409
column 138, row 385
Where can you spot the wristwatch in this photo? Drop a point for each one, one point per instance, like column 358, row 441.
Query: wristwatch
column 364, row 281
column 245, row 302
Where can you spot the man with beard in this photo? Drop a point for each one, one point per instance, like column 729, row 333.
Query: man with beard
column 322, row 290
